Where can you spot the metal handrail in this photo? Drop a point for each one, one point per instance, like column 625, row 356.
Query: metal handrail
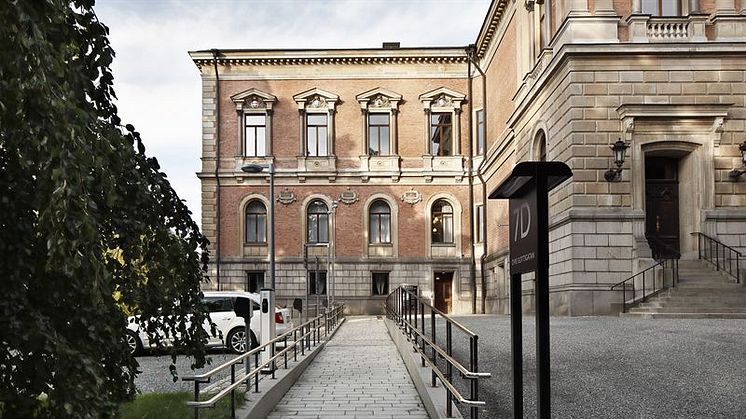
column 672, row 262
column 408, row 311
column 727, row 268
column 310, row 332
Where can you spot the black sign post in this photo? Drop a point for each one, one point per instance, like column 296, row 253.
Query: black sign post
column 528, row 188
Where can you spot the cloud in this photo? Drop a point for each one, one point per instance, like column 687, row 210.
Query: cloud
column 158, row 86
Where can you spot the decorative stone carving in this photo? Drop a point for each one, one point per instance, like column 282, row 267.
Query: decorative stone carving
column 317, row 102
column 253, row 99
column 255, row 103
column 443, row 101
column 411, row 197
column 348, row 197
column 717, row 124
column 286, row 197
column 380, row 101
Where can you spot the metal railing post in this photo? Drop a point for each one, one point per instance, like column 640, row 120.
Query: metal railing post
column 196, row 398
column 422, row 326
column 233, row 392
column 449, row 351
column 435, row 342
column 474, row 367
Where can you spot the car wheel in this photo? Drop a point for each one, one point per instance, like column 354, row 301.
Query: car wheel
column 133, row 342
column 236, row 340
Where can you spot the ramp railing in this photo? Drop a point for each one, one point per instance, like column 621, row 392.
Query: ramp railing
column 422, row 324
column 298, row 339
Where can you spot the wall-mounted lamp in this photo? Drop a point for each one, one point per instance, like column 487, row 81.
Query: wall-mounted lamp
column 735, row 173
column 620, row 149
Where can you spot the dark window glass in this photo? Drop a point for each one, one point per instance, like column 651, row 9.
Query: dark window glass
column 218, row 304
column 480, row 223
column 441, row 134
column 254, row 281
column 380, row 283
column 379, row 223
column 318, row 222
column 543, row 147
column 480, row 132
column 255, row 135
column 316, row 135
column 378, row 134
column 442, row 219
column 256, row 222
column 317, row 282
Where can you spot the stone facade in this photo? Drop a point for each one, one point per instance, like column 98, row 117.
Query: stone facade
column 558, row 80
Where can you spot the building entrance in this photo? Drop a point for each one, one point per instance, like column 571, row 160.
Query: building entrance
column 662, row 204
column 443, row 290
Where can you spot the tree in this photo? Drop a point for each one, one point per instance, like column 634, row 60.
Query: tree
column 88, row 223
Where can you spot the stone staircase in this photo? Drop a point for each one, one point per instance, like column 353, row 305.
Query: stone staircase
column 702, row 292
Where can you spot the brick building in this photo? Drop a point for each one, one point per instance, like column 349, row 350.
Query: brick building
column 384, row 157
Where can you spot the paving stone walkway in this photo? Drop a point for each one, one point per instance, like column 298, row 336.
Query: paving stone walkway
column 358, row 374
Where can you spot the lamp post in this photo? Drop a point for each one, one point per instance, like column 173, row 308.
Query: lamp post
column 268, row 325
column 332, row 250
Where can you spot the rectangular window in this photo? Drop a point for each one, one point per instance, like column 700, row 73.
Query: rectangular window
column 255, row 135
column 480, row 223
column 254, row 281
column 378, row 134
column 316, row 135
column 317, row 282
column 380, row 283
column 441, row 134
column 660, row 7
column 480, row 131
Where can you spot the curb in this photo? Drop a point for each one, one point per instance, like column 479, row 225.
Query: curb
column 284, row 379
column 433, row 398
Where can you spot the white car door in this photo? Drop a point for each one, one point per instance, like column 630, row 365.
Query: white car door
column 221, row 313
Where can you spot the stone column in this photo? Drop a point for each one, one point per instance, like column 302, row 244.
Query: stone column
column 394, row 133
column 725, row 7
column 241, row 132
column 427, row 132
column 301, row 130
column 693, row 6
column 457, row 132
column 330, row 134
column 605, row 8
column 576, row 7
column 268, row 135
column 364, row 112
column 636, row 6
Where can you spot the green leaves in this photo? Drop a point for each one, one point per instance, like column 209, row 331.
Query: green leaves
column 84, row 215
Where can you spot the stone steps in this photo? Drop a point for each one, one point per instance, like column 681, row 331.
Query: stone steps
column 702, row 292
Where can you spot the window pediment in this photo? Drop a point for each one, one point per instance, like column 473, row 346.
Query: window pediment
column 316, row 99
column 442, row 98
column 379, row 98
column 253, row 99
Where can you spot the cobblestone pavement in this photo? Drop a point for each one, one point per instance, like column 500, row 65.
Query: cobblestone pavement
column 616, row 367
column 358, row 374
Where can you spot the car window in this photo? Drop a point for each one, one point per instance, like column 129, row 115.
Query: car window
column 215, row 304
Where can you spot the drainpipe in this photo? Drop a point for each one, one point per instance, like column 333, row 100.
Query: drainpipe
column 471, row 49
column 472, row 262
column 217, row 165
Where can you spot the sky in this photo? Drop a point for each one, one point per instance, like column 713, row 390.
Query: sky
column 158, row 87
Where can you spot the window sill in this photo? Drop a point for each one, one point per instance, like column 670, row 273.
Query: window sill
column 443, row 163
column 317, row 163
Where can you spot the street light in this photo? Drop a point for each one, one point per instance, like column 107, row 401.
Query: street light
column 258, row 168
column 268, row 325
column 619, row 148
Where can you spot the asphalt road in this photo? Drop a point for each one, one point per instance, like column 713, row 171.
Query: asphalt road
column 611, row 367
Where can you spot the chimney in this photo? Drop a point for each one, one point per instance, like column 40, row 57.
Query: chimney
column 391, row 45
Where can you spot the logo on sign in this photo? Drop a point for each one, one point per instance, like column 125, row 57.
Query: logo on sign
column 522, row 221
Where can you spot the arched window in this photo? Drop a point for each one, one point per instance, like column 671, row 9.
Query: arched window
column 317, row 222
column 540, row 146
column 379, row 223
column 442, row 220
column 256, row 222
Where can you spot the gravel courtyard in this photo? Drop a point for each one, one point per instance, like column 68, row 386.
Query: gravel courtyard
column 156, row 377
column 615, row 367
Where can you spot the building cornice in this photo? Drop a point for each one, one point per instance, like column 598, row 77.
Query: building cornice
column 489, row 26
column 331, row 56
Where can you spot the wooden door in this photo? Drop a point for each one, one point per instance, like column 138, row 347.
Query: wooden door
column 443, row 287
column 662, row 204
